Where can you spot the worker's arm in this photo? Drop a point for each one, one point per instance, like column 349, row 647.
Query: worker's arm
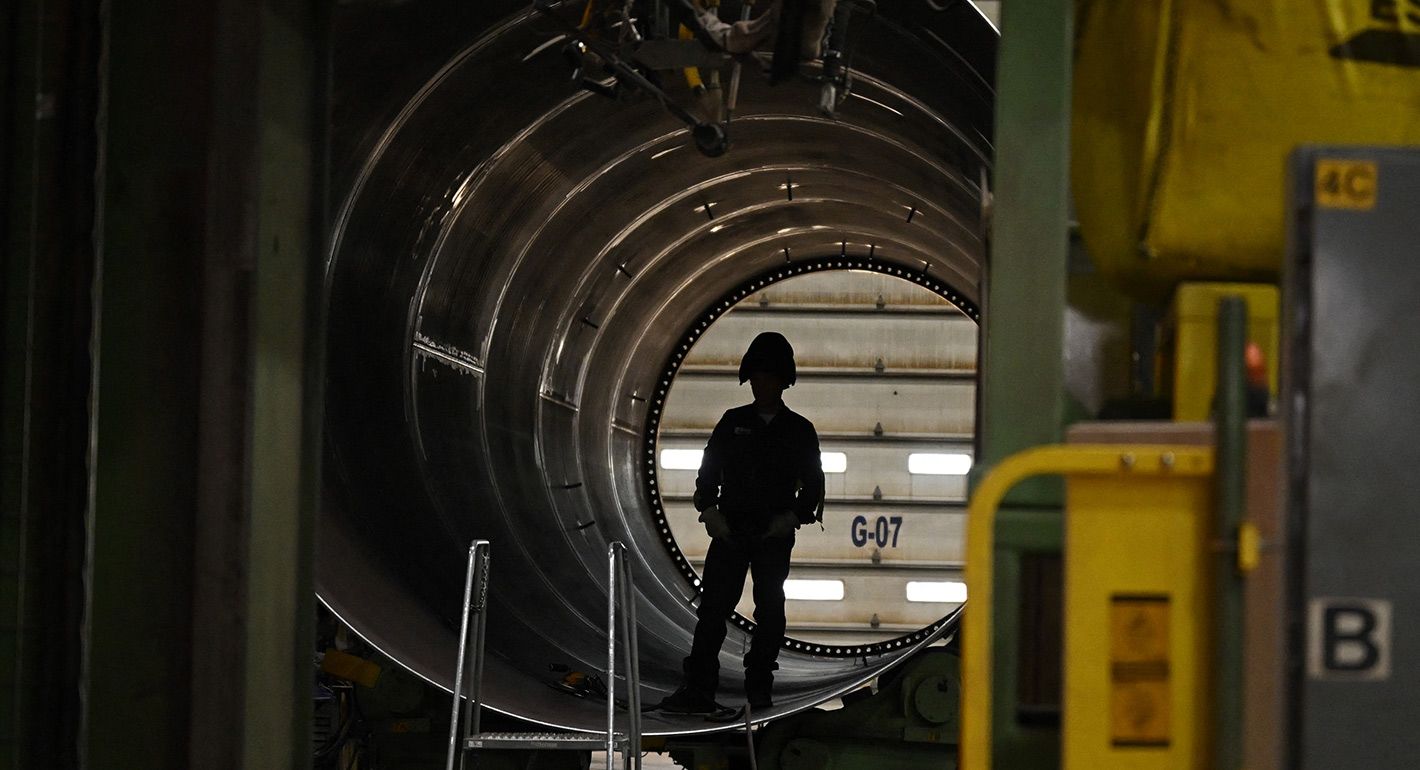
column 808, row 503
column 712, row 466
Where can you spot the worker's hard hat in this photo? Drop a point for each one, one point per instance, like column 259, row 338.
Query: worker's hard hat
column 769, row 352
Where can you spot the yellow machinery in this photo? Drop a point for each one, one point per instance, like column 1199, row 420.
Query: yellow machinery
column 1137, row 531
column 1191, row 344
column 1184, row 113
column 1171, row 152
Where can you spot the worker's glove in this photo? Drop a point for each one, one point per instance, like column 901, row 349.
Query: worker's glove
column 782, row 524
column 716, row 525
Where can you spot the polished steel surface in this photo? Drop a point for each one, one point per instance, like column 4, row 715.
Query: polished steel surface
column 512, row 265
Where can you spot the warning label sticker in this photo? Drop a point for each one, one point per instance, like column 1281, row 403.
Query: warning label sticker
column 1140, row 712
column 1346, row 184
column 1391, row 38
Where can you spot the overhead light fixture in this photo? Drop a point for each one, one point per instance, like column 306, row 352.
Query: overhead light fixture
column 689, row 460
column 813, row 590
column 938, row 464
column 943, row 591
column 681, row 459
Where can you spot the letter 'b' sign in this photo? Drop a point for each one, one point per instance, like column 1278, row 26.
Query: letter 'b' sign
column 1348, row 638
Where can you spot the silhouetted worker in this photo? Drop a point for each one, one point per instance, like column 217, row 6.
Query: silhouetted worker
column 760, row 478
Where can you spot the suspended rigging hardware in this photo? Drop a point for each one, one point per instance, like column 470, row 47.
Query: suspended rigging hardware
column 632, row 42
column 841, row 37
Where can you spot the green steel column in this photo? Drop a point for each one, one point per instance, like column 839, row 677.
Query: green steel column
column 287, row 343
column 1230, row 412
column 207, row 378
column 1022, row 377
column 48, row 83
column 1022, row 389
column 19, row 38
column 1019, row 532
column 149, row 231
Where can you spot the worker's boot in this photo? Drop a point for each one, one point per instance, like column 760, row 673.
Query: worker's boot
column 759, row 686
column 688, row 700
column 696, row 694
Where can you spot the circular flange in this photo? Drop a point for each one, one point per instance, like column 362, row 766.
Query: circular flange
column 681, row 350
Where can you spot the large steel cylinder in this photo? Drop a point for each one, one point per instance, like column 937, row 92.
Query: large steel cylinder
column 516, row 265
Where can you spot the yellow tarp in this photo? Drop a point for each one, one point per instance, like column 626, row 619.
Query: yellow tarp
column 1186, row 110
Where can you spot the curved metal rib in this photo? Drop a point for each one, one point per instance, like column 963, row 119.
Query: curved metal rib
column 513, row 265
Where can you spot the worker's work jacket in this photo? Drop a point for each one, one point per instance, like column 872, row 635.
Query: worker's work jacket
column 754, row 470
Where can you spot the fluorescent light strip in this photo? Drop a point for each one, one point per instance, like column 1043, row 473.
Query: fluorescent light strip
column 689, row 460
column 943, row 591
column 814, row 590
column 681, row 459
column 938, row 464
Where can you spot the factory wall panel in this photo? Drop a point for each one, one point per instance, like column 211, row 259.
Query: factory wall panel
column 855, row 535
column 902, row 405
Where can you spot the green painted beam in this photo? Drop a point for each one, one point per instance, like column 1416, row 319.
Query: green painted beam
column 1230, row 419
column 1022, row 391
column 49, row 72
column 207, row 435
column 1022, row 388
column 1022, row 376
column 287, row 343
column 143, row 493
column 18, row 38
column 1019, row 532
column 1035, row 531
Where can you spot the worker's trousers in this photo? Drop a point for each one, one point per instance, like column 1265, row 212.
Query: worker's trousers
column 722, row 583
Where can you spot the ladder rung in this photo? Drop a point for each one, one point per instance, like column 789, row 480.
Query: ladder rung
column 622, row 742
column 583, row 741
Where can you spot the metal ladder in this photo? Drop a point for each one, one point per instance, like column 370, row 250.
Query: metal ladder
column 467, row 737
